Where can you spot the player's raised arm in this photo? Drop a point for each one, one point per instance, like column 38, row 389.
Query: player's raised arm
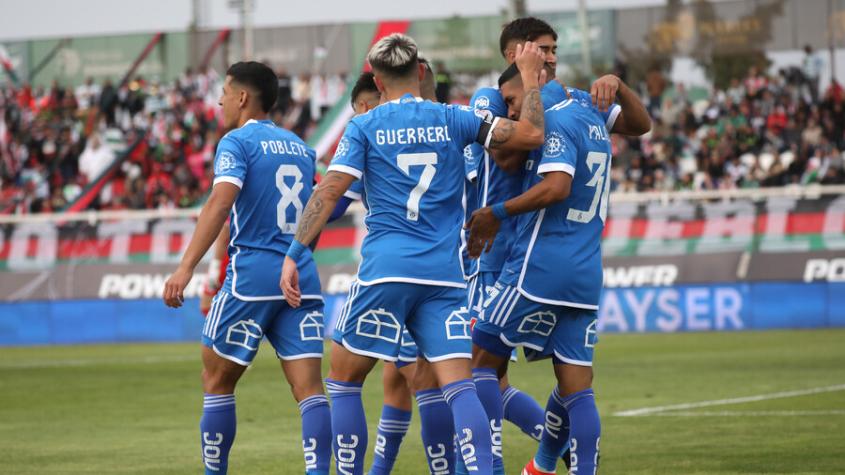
column 211, row 219
column 527, row 132
column 314, row 217
column 633, row 120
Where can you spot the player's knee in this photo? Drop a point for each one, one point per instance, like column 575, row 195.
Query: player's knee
column 217, row 382
column 573, row 378
column 305, row 389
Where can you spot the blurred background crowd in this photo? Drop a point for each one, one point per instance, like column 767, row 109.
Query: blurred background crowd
column 772, row 129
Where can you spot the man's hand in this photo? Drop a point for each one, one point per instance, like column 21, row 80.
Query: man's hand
column 290, row 283
column 174, row 288
column 483, row 227
column 604, row 91
column 531, row 61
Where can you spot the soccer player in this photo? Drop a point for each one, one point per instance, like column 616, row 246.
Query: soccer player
column 263, row 175
column 559, row 219
column 500, row 178
column 409, row 153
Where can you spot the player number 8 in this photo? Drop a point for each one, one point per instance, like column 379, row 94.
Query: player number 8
column 290, row 196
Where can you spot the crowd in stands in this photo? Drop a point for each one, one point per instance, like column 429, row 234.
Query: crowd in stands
column 763, row 130
column 56, row 141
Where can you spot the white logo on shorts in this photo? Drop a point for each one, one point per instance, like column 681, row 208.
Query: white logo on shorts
column 590, row 342
column 457, row 325
column 407, row 340
column 311, row 327
column 541, row 323
column 386, row 327
column 245, row 333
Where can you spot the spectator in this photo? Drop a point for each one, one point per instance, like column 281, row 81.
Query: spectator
column 811, row 66
column 95, row 159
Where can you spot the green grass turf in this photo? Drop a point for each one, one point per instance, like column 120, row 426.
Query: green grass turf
column 135, row 408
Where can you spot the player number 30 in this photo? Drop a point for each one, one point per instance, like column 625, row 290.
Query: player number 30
column 597, row 162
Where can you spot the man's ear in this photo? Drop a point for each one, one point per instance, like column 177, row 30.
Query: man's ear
column 379, row 84
column 243, row 98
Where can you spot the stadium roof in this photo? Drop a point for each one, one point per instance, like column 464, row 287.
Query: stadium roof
column 26, row 20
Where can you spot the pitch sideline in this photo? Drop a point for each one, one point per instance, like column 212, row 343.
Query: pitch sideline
column 658, row 410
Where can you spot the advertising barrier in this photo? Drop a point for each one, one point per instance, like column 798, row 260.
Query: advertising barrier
column 741, row 260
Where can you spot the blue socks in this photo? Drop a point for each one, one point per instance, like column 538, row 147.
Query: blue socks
column 217, row 431
column 392, row 427
column 316, row 434
column 579, row 412
column 438, row 431
column 522, row 411
column 584, row 431
column 487, row 385
column 349, row 426
column 471, row 428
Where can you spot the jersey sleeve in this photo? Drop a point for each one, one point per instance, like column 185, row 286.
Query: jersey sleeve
column 351, row 152
column 470, row 127
column 560, row 148
column 609, row 116
column 486, row 102
column 230, row 162
column 471, row 161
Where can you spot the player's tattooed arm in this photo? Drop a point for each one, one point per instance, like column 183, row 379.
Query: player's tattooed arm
column 525, row 134
column 314, row 217
column 321, row 204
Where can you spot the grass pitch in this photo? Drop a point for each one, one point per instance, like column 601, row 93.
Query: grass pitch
column 135, row 408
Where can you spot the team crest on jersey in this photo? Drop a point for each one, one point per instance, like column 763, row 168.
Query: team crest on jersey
column 342, row 147
column 468, row 152
column 484, row 114
column 225, row 162
column 554, row 146
column 482, row 102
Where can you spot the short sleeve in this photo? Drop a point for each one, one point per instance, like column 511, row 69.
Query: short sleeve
column 489, row 99
column 560, row 149
column 351, row 152
column 230, row 162
column 464, row 124
column 609, row 116
column 355, row 191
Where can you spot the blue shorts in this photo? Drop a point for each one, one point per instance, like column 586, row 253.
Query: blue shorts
column 480, row 287
column 374, row 316
column 508, row 320
column 477, row 289
column 234, row 328
column 408, row 350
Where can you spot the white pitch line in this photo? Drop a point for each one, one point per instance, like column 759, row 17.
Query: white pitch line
column 96, row 362
column 831, row 412
column 724, row 402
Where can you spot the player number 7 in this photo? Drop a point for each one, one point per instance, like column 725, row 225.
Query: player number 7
column 405, row 162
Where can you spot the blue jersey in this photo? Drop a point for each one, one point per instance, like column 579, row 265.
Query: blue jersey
column 494, row 184
column 470, row 266
column 275, row 171
column 556, row 257
column 410, row 154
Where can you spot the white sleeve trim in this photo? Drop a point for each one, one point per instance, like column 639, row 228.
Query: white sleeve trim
column 352, row 195
column 556, row 167
column 490, row 132
column 346, row 169
column 611, row 119
column 229, row 179
column 472, row 175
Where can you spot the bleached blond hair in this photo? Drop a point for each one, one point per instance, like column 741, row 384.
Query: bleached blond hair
column 394, row 55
